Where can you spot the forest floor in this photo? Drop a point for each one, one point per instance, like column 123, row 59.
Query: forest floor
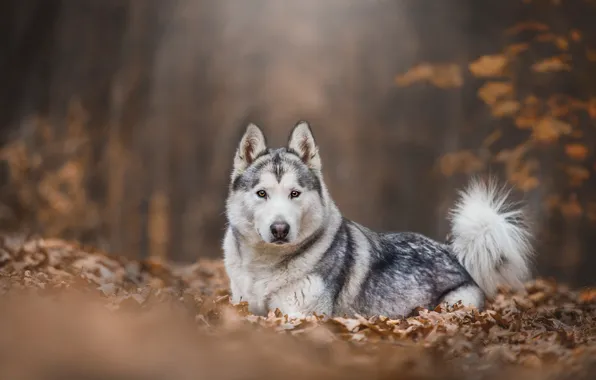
column 72, row 312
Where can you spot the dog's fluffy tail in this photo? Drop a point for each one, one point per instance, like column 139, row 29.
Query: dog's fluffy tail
column 491, row 237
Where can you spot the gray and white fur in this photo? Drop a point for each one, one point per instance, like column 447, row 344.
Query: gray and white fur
column 287, row 245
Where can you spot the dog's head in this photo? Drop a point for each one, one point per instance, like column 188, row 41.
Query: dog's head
column 277, row 195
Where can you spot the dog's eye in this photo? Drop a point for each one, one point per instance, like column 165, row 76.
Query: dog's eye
column 262, row 194
column 294, row 194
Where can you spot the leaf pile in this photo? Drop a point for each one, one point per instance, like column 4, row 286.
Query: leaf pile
column 69, row 311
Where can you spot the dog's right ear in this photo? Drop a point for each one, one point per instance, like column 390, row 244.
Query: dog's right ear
column 251, row 146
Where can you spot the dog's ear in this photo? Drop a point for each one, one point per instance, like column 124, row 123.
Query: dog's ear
column 251, row 146
column 303, row 143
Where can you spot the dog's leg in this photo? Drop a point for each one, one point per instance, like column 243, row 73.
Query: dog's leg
column 239, row 282
column 302, row 298
column 469, row 295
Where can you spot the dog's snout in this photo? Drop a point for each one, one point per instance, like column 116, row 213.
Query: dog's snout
column 280, row 230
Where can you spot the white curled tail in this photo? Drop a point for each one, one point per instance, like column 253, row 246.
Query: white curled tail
column 490, row 237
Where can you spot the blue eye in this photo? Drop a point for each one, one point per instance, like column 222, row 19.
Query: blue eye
column 262, row 194
column 294, row 194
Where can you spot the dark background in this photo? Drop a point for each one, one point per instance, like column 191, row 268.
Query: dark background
column 119, row 118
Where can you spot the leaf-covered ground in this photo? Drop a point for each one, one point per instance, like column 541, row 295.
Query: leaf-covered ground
column 71, row 312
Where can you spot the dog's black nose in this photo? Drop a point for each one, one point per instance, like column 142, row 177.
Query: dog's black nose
column 280, row 230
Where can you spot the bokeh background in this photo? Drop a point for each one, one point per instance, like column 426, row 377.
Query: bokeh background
column 119, row 118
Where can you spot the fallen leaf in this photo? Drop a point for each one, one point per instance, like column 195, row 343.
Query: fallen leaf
column 441, row 75
column 575, row 35
column 559, row 105
column 533, row 26
column 577, row 175
column 491, row 92
column 515, row 49
column 549, row 129
column 529, row 113
column 577, row 152
column 550, row 65
column 505, row 108
column 489, row 66
column 552, row 202
column 559, row 41
column 571, row 209
column 525, row 121
column 588, row 295
column 460, row 162
column 592, row 108
column 562, row 43
column 523, row 175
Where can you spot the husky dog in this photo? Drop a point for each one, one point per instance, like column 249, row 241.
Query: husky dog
column 287, row 246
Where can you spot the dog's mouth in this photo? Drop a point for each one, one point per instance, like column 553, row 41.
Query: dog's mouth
column 280, row 241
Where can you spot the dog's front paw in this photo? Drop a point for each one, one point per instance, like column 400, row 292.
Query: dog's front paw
column 296, row 315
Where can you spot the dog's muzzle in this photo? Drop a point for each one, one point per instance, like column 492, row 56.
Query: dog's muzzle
column 280, row 232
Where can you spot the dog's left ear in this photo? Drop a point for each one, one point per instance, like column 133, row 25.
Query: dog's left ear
column 303, row 143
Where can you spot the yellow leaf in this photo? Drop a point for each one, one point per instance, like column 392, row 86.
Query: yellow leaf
column 533, row 26
column 588, row 295
column 525, row 121
column 592, row 108
column 559, row 105
column 464, row 161
column 531, row 101
column 492, row 138
column 577, row 175
column 528, row 116
column 441, row 75
column 551, row 64
column 505, row 108
column 489, row 66
column 512, row 157
column 490, row 92
column 562, row 43
column 559, row 41
column 522, row 176
column 575, row 35
column 549, row 129
column 571, row 209
column 552, row 202
column 519, row 171
column 576, row 151
column 528, row 184
column 515, row 49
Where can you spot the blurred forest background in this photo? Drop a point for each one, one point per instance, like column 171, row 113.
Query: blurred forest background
column 119, row 118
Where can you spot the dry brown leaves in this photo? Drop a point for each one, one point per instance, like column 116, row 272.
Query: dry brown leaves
column 445, row 76
column 73, row 311
column 489, row 66
column 551, row 64
column 464, row 161
column 576, row 151
column 549, row 129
